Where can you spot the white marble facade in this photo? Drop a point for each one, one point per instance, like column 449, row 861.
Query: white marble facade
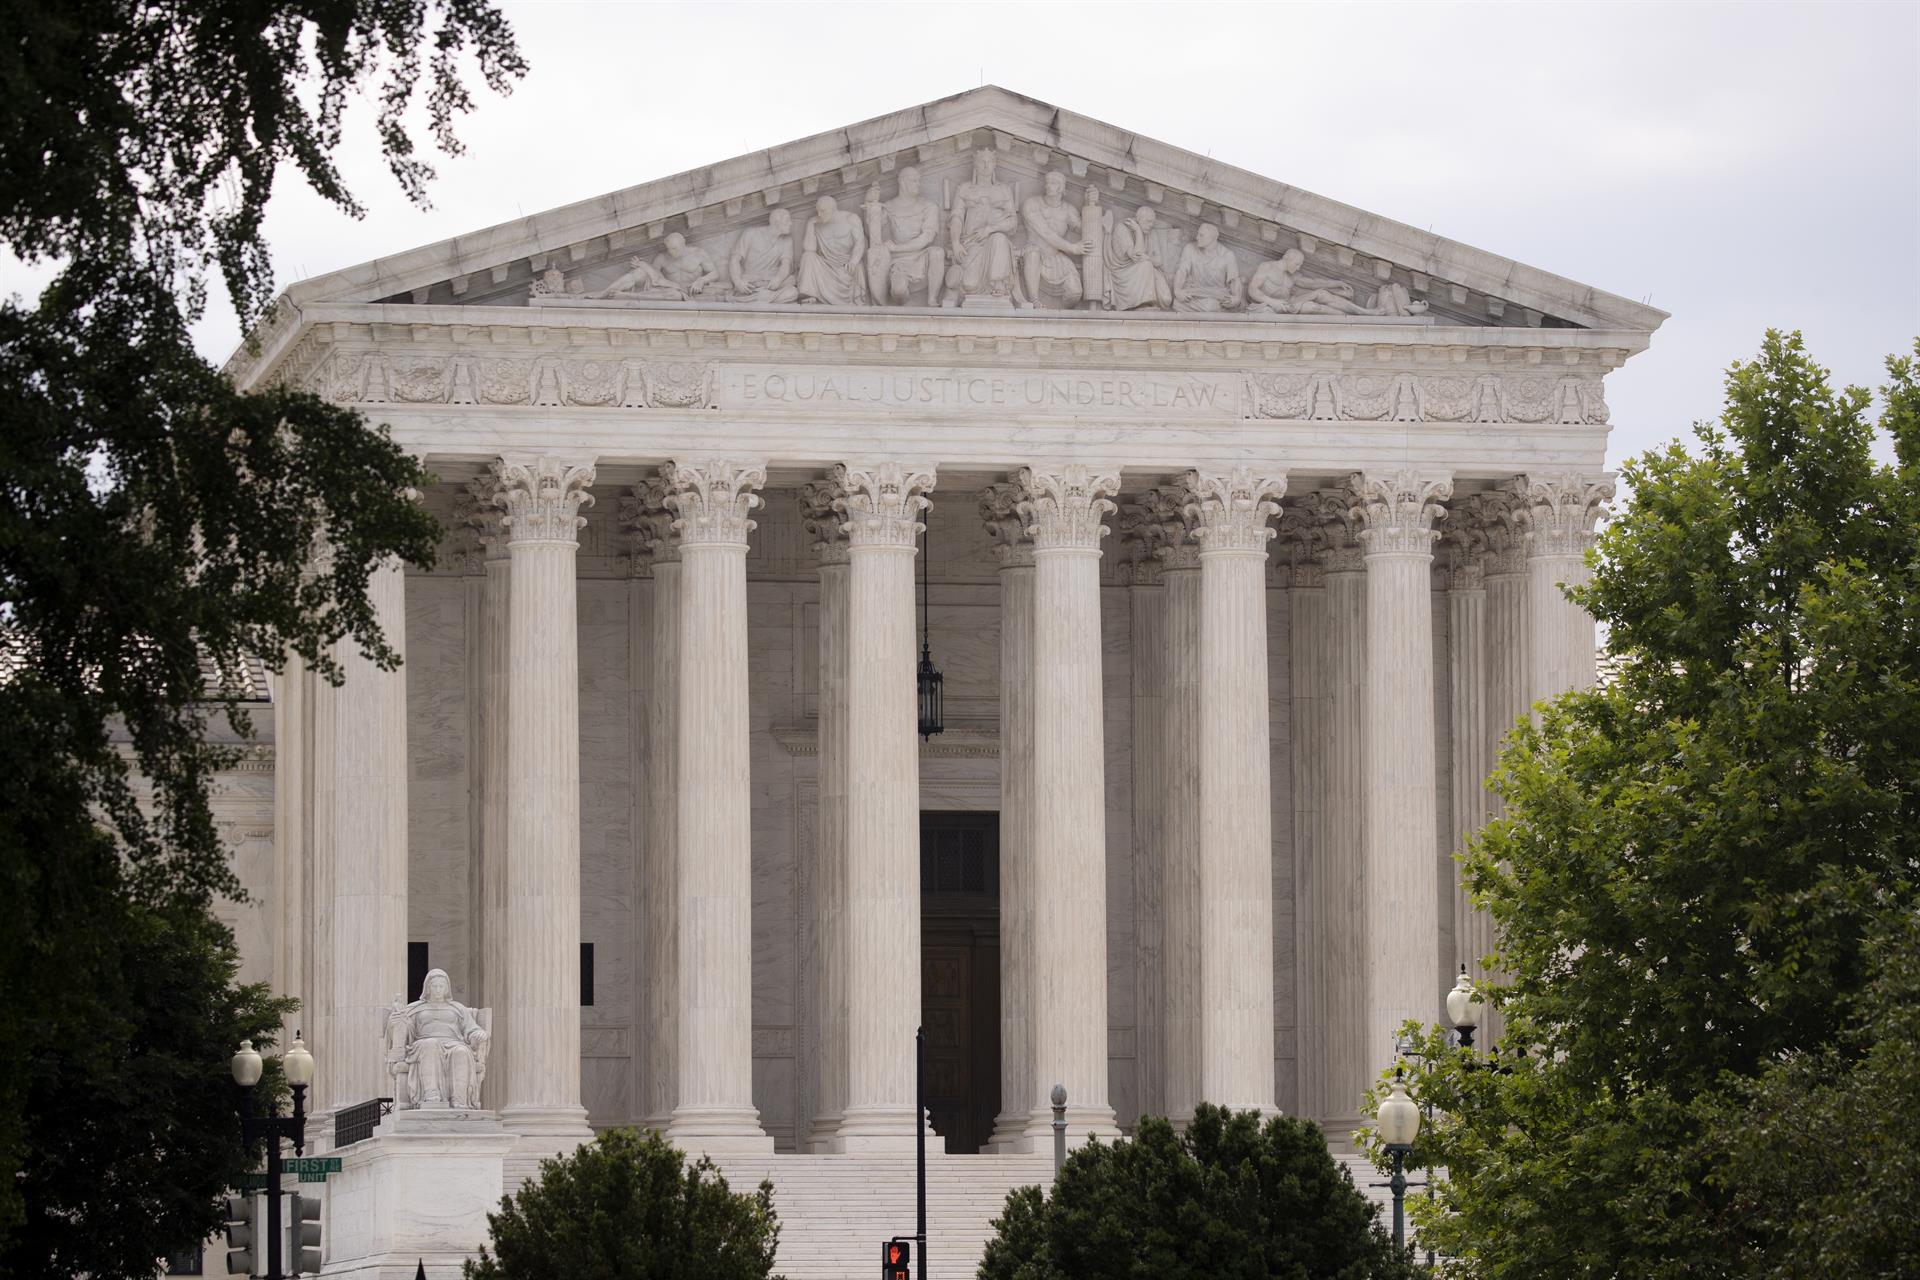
column 1275, row 496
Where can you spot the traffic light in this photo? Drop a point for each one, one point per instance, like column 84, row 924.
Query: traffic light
column 895, row 1255
column 303, row 1239
column 242, row 1232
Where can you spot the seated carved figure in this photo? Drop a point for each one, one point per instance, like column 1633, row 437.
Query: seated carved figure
column 761, row 266
column 1133, row 281
column 436, row 1050
column 980, row 236
column 1207, row 277
column 833, row 257
column 1055, row 242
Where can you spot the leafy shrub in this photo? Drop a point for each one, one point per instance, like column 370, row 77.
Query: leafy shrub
column 628, row 1206
column 1233, row 1198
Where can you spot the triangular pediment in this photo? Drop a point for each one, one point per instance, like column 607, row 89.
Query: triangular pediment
column 567, row 255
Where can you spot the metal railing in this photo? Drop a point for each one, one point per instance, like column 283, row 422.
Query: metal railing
column 351, row 1124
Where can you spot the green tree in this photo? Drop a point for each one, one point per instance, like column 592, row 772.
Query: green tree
column 628, row 1206
column 1233, row 1197
column 1696, row 857
column 156, row 527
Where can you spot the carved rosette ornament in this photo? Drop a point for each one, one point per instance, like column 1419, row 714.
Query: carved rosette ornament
column 713, row 502
column 1397, row 511
column 882, row 502
column 1000, row 512
column 542, row 497
column 1559, row 512
column 1228, row 511
column 822, row 520
column 1065, row 508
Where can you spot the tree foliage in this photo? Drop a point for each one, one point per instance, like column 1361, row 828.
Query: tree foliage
column 628, row 1206
column 1701, row 862
column 1232, row 1197
column 156, row 526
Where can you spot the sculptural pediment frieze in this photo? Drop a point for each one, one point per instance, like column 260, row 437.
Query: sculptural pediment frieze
column 980, row 220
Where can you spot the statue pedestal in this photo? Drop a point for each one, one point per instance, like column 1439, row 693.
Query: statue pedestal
column 418, row 1191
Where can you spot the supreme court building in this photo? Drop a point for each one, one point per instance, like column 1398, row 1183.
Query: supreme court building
column 1246, row 514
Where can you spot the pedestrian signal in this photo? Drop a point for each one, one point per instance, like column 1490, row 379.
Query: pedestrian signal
column 895, row 1256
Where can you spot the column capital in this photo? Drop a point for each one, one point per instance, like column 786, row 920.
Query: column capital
column 882, row 502
column 543, row 496
column 1227, row 511
column 1157, row 527
column 822, row 520
column 1326, row 540
column 1000, row 512
column 1465, row 541
column 477, row 513
column 1064, row 506
column 1559, row 512
column 648, row 524
column 713, row 500
column 1397, row 509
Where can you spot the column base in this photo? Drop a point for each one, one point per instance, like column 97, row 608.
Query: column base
column 878, row 1128
column 717, row 1130
column 820, row 1137
column 1008, row 1127
column 1082, row 1123
column 1339, row 1131
column 541, row 1133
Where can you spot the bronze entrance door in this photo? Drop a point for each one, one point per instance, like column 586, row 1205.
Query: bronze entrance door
column 960, row 973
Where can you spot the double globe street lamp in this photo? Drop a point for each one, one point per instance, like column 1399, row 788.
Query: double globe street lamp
column 1398, row 1118
column 297, row 1066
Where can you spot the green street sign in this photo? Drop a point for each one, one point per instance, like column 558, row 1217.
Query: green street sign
column 251, row 1182
column 313, row 1168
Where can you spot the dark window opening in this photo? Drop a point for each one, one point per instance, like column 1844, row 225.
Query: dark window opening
column 417, row 967
column 586, row 973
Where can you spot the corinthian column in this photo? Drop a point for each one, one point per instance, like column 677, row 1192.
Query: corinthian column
column 827, row 966
column 542, row 497
column 1063, row 507
column 999, row 510
column 715, row 1111
column 881, row 503
column 1467, row 739
column 492, row 981
column 1307, row 650
column 363, row 821
column 1559, row 515
column 1230, row 512
column 1402, row 801
column 1164, row 525
column 658, row 877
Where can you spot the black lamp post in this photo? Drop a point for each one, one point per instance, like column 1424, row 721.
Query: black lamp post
column 297, row 1064
column 1399, row 1123
column 929, row 678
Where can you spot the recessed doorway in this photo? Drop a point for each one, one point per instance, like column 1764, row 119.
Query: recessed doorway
column 960, row 973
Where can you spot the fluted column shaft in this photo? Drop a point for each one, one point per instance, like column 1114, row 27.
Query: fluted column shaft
column 1468, row 740
column 660, row 877
column 1147, row 638
column 542, row 497
column 1181, row 885
column 366, row 826
column 1236, row 788
column 1064, row 508
column 1402, row 793
column 828, row 960
column 715, row 1110
column 998, row 509
column 1308, row 629
column 494, row 978
column 1340, row 901
column 881, row 503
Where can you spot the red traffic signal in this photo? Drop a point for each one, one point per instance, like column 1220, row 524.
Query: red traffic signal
column 895, row 1257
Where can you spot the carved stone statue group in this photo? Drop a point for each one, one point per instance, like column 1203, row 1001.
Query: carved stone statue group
column 890, row 254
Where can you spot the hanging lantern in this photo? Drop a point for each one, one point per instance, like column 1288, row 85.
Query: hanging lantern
column 931, row 713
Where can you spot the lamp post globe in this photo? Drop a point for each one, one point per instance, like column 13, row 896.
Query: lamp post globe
column 246, row 1065
column 1463, row 1008
column 298, row 1063
column 1398, row 1121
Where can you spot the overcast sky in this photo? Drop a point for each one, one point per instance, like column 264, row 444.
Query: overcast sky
column 1739, row 166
